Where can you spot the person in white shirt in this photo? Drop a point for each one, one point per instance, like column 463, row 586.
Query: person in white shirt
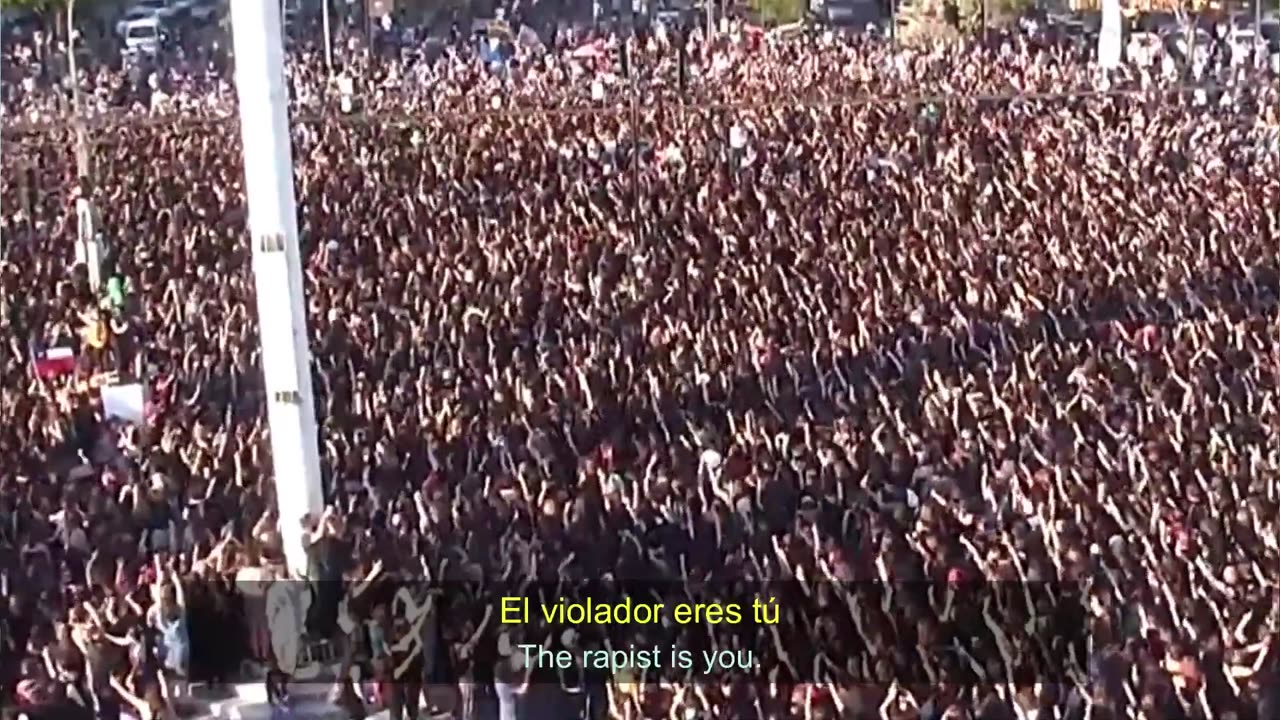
column 737, row 145
column 287, row 605
column 346, row 91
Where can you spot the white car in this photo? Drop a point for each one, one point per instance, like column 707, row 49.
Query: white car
column 131, row 16
column 143, row 36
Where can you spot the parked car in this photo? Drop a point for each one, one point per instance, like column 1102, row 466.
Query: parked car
column 144, row 36
column 131, row 16
column 851, row 13
column 670, row 17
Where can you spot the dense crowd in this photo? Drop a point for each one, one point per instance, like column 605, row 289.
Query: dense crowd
column 819, row 337
column 509, row 66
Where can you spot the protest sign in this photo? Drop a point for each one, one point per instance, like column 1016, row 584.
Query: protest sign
column 126, row 402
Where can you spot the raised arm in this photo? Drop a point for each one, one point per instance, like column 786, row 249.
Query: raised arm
column 139, row 705
column 179, row 595
column 364, row 584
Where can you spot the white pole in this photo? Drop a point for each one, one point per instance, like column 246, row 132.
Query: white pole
column 2, row 238
column 81, row 139
column 88, row 249
column 3, row 244
column 1259, row 54
column 1110, row 36
column 328, row 38
column 277, row 270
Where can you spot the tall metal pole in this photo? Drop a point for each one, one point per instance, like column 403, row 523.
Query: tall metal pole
column 88, row 249
column 82, row 142
column 24, row 174
column 1259, row 42
column 328, row 37
column 277, row 268
column 634, row 72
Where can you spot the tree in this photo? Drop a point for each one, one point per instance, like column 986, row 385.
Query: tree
column 52, row 13
column 780, row 11
column 63, row 14
column 49, row 13
column 926, row 21
column 44, row 9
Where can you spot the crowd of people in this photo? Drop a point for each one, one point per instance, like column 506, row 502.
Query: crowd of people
column 508, row 66
column 791, row 310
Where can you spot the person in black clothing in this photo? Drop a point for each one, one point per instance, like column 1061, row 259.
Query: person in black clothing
column 277, row 687
column 327, row 554
column 437, row 661
column 406, row 668
column 479, row 658
column 596, row 690
column 15, row 629
column 549, row 694
column 572, row 680
column 218, row 629
column 204, row 633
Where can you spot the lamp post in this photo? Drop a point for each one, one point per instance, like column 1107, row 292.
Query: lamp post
column 2, row 148
column 1259, row 40
column 328, row 37
column 88, row 246
column 81, row 139
column 632, row 73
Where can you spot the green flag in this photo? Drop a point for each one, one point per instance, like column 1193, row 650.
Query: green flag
column 115, row 291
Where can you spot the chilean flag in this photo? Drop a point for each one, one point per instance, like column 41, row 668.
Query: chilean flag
column 54, row 362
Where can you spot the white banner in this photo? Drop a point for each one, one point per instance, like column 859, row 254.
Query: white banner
column 127, row 402
column 1111, row 35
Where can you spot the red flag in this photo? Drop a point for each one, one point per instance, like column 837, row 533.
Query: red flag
column 54, row 362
